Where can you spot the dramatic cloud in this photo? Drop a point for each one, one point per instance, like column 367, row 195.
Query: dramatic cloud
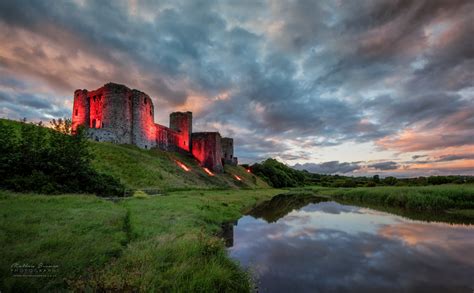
column 384, row 166
column 332, row 167
column 289, row 79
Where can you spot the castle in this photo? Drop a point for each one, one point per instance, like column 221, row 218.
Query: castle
column 115, row 113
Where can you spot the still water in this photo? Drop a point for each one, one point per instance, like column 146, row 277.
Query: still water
column 324, row 246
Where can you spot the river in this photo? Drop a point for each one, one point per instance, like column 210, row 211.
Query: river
column 316, row 245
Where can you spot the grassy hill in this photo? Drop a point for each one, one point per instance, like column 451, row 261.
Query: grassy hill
column 138, row 169
column 156, row 169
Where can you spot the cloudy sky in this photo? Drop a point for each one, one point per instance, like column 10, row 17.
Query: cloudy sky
column 354, row 87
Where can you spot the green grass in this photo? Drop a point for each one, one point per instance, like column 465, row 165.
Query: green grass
column 168, row 243
column 447, row 203
column 156, row 243
column 139, row 168
column 76, row 233
column 422, row 198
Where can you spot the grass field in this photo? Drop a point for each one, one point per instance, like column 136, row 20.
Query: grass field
column 76, row 233
column 165, row 243
column 159, row 243
column 415, row 198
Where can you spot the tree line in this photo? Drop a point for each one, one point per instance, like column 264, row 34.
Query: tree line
column 279, row 175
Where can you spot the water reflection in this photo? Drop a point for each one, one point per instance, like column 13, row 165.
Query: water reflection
column 327, row 246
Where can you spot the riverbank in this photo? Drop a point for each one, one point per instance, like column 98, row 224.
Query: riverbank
column 159, row 243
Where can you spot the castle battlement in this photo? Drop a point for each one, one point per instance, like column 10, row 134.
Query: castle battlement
column 115, row 113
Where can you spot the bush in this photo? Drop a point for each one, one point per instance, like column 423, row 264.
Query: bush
column 37, row 159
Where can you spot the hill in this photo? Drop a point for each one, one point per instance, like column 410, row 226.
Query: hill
column 159, row 170
column 138, row 169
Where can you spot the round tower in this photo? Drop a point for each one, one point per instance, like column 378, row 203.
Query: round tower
column 143, row 125
column 80, row 110
column 116, row 103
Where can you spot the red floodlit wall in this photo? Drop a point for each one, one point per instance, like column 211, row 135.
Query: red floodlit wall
column 166, row 138
column 80, row 110
column 207, row 150
column 143, row 125
column 182, row 123
column 95, row 105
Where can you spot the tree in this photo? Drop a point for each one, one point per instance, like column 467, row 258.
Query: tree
column 390, row 180
column 376, row 178
column 62, row 125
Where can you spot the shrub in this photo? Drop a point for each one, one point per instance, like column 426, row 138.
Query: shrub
column 37, row 159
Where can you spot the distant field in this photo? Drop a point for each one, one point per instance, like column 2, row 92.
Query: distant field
column 444, row 203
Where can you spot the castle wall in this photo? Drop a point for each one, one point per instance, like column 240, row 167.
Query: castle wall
column 207, row 150
column 182, row 122
column 104, row 135
column 166, row 138
column 80, row 110
column 143, row 126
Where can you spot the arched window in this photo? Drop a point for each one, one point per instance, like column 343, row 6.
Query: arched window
column 76, row 112
column 93, row 123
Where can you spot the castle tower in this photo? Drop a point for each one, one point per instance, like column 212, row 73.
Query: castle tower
column 182, row 122
column 115, row 101
column 80, row 110
column 143, row 129
column 227, row 144
column 207, row 150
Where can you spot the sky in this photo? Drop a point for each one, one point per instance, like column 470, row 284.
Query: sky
column 331, row 86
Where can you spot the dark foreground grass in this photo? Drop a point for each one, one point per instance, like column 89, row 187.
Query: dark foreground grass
column 161, row 243
column 74, row 233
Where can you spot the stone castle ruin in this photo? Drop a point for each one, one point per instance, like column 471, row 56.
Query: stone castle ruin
column 114, row 113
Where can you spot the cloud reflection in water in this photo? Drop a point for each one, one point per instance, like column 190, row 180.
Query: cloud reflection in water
column 332, row 247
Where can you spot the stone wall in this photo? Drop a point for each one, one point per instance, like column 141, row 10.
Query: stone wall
column 207, row 150
column 166, row 138
column 116, row 111
column 103, row 135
